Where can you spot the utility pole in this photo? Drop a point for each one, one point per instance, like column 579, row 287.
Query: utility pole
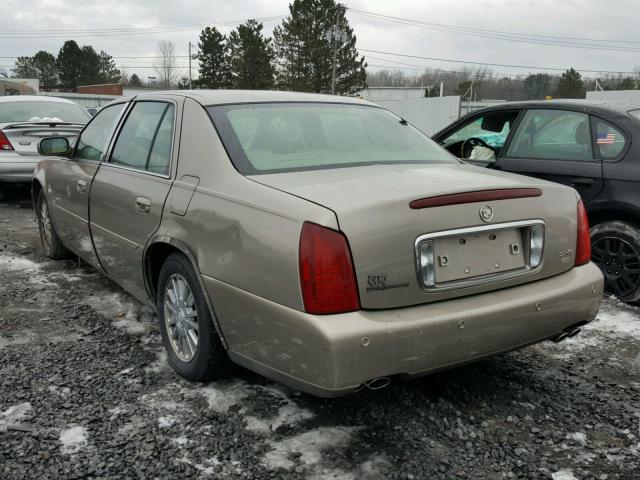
column 189, row 64
column 335, row 49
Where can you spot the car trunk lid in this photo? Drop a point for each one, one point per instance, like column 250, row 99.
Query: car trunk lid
column 24, row 137
column 373, row 208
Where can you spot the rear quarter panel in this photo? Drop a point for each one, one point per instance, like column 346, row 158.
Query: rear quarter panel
column 240, row 232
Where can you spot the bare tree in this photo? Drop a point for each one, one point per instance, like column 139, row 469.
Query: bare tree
column 166, row 65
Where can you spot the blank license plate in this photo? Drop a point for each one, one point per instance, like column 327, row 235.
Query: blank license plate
column 478, row 254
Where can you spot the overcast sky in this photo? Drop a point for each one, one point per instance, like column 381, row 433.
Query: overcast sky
column 590, row 19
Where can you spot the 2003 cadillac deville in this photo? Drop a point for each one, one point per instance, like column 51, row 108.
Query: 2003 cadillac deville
column 320, row 241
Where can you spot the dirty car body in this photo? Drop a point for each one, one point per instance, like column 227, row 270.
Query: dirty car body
column 320, row 241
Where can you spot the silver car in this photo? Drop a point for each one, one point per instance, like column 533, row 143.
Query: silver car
column 320, row 241
column 26, row 119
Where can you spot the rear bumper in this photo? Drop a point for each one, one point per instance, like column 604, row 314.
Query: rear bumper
column 333, row 355
column 14, row 168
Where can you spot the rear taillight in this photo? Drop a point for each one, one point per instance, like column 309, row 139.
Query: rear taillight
column 583, row 244
column 5, row 144
column 327, row 277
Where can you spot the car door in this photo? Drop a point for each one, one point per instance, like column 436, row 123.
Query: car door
column 555, row 145
column 69, row 180
column 129, row 190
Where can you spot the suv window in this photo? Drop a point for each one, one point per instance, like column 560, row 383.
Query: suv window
column 93, row 139
column 610, row 141
column 144, row 143
column 554, row 135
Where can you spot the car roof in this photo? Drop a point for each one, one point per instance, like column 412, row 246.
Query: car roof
column 36, row 98
column 593, row 106
column 225, row 97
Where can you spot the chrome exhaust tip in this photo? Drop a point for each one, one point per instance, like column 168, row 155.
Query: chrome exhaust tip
column 378, row 383
column 567, row 333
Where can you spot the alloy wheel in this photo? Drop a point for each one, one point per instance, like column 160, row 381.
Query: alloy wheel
column 45, row 225
column 181, row 317
column 620, row 264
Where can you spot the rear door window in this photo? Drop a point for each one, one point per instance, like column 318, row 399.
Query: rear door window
column 609, row 141
column 553, row 135
column 144, row 143
column 93, row 140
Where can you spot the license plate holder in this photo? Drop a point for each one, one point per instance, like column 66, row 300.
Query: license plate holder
column 478, row 254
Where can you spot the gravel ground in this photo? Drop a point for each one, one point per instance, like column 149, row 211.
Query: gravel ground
column 85, row 391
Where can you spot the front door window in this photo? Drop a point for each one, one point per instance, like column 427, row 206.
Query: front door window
column 481, row 139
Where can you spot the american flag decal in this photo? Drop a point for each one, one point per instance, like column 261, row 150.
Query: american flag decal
column 606, row 138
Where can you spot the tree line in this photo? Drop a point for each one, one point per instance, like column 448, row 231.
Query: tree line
column 73, row 66
column 488, row 85
column 298, row 56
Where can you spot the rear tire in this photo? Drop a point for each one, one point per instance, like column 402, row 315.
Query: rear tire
column 51, row 243
column 188, row 333
column 615, row 248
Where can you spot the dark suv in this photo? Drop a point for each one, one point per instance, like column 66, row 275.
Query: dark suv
column 594, row 148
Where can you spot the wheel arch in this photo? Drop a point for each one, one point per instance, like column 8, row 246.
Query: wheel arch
column 36, row 188
column 612, row 212
column 156, row 252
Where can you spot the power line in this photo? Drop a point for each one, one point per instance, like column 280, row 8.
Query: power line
column 122, row 31
column 506, row 65
column 568, row 42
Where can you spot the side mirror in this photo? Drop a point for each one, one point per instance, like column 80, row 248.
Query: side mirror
column 54, row 146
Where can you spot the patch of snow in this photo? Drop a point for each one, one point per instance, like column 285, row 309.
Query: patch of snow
column 222, row 396
column 73, row 439
column 578, row 437
column 164, row 398
column 116, row 412
column 20, row 338
column 564, row 474
column 123, row 310
column 617, row 318
column 160, row 363
column 14, row 414
column 15, row 263
column 310, row 445
column 374, row 467
column 61, row 392
column 289, row 414
column 166, row 422
column 181, row 441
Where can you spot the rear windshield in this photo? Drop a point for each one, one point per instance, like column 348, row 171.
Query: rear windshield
column 35, row 111
column 277, row 137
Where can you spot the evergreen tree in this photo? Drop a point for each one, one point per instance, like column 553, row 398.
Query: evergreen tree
column 24, row 68
column 304, row 47
column 134, row 81
column 108, row 73
column 250, row 57
column 537, row 86
column 213, row 67
column 90, row 67
column 69, row 64
column 570, row 85
column 45, row 65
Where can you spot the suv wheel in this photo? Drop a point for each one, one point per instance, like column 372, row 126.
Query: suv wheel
column 615, row 248
column 189, row 336
column 51, row 243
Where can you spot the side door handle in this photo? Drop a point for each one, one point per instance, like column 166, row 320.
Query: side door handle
column 143, row 205
column 81, row 186
column 585, row 182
